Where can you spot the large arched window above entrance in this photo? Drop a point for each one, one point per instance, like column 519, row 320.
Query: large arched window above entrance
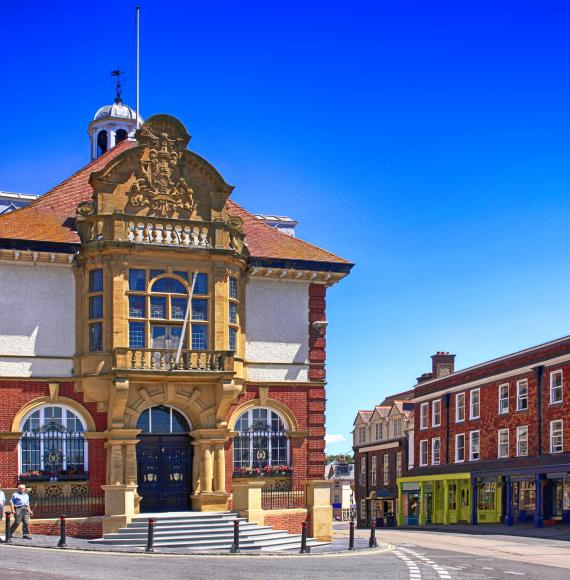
column 53, row 446
column 261, row 444
column 157, row 309
column 162, row 420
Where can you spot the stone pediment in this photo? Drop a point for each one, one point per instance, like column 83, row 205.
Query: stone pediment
column 160, row 178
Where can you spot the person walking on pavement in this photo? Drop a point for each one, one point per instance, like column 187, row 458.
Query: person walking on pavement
column 2, row 502
column 20, row 503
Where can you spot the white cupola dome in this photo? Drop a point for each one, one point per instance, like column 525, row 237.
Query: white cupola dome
column 112, row 124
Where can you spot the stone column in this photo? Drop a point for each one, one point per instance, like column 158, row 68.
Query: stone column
column 219, row 468
column 445, row 502
column 319, row 509
column 207, row 471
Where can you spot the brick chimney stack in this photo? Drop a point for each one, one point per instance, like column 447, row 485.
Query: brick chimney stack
column 442, row 364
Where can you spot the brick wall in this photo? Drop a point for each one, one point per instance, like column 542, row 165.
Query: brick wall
column 289, row 520
column 87, row 528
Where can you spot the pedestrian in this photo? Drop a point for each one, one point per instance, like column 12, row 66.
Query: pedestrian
column 20, row 503
column 2, row 502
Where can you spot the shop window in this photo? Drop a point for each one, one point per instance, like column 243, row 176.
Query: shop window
column 424, row 415
column 556, row 387
column 486, row 496
column 53, row 446
column 452, row 496
column 503, row 399
column 522, row 441
column 436, row 413
column 460, row 448
column 435, row 451
column 556, row 436
column 261, row 444
column 474, row 404
column 460, row 407
column 522, row 395
column 503, row 443
column 423, row 452
column 527, row 496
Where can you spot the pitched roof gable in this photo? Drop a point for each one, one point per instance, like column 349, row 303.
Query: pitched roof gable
column 51, row 219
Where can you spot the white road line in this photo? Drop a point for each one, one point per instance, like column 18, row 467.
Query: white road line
column 413, row 569
column 441, row 572
column 514, row 573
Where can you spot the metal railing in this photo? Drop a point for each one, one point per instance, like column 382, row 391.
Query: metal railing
column 273, row 498
column 68, row 504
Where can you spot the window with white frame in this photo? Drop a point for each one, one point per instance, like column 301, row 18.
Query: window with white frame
column 423, row 452
column 379, row 431
column 373, row 470
column 460, row 448
column 362, row 434
column 424, row 415
column 397, row 427
column 363, row 470
column 555, row 387
column 399, row 464
column 503, row 443
column 435, row 451
column 436, row 413
column 522, row 395
column 522, row 440
column 556, row 436
column 503, row 399
column 386, row 469
column 474, row 404
column 459, row 407
column 53, row 443
column 474, row 446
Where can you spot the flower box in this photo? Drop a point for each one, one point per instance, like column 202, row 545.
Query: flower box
column 73, row 477
column 28, row 477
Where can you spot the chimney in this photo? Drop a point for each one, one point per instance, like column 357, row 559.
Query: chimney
column 442, row 364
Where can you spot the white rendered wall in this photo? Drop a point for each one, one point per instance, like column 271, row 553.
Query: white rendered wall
column 37, row 320
column 277, row 330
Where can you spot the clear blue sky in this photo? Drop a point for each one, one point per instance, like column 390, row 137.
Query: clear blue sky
column 426, row 141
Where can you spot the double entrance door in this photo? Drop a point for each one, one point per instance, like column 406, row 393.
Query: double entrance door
column 164, row 466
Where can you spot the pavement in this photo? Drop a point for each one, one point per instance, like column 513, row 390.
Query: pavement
column 406, row 553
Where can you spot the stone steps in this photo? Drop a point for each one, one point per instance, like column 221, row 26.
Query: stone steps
column 202, row 531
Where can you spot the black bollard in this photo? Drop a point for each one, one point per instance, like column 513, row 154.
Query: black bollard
column 304, row 549
column 62, row 536
column 235, row 546
column 8, row 539
column 351, row 536
column 372, row 543
column 150, row 537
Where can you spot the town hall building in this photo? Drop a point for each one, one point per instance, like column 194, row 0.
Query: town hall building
column 158, row 342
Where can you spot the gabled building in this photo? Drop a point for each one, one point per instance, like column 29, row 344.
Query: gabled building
column 341, row 475
column 383, row 451
column 160, row 341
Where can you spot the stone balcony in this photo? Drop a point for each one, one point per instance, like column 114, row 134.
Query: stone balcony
column 156, row 360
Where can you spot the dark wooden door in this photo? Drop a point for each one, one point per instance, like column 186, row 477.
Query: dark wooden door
column 164, row 472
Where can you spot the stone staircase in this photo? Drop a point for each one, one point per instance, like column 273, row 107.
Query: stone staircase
column 202, row 531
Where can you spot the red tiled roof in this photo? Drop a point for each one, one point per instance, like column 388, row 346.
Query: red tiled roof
column 51, row 218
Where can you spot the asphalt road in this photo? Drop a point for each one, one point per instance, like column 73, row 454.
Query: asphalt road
column 406, row 561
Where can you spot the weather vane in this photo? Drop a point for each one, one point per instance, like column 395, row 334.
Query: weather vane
column 117, row 73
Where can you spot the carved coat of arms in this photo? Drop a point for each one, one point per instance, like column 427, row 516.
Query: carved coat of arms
column 161, row 186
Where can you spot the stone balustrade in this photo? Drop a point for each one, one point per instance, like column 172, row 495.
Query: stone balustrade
column 154, row 359
column 151, row 232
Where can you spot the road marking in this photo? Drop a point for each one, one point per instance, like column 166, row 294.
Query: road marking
column 514, row 573
column 486, row 568
column 413, row 569
column 441, row 571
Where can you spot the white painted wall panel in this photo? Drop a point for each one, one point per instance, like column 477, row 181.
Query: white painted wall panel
column 37, row 319
column 277, row 330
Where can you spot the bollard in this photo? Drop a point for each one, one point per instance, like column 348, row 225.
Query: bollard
column 8, row 539
column 372, row 543
column 62, row 536
column 235, row 546
column 150, row 537
column 351, row 536
column 304, row 549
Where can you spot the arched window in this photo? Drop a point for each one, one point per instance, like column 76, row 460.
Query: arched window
column 53, row 446
column 261, row 444
column 157, row 308
column 120, row 135
column 101, row 142
column 162, row 420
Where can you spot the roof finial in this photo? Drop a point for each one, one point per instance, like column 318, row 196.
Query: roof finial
column 117, row 73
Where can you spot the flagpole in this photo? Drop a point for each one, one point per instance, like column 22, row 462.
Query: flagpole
column 186, row 317
column 138, row 18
